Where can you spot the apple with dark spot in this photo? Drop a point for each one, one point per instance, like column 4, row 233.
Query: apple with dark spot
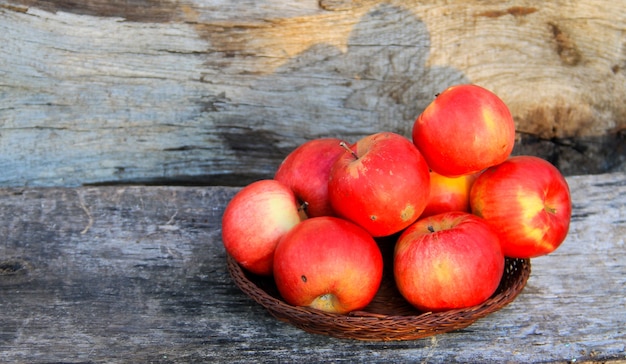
column 329, row 264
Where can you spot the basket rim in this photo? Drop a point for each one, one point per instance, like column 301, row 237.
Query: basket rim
column 364, row 325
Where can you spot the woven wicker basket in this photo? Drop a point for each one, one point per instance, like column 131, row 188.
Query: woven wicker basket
column 389, row 316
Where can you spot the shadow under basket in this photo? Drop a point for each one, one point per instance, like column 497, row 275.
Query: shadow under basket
column 389, row 316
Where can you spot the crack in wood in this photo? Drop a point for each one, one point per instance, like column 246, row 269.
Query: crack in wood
column 84, row 207
column 516, row 11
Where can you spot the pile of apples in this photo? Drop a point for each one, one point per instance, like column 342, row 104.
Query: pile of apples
column 453, row 200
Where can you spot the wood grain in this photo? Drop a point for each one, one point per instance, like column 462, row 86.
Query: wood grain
column 196, row 92
column 138, row 274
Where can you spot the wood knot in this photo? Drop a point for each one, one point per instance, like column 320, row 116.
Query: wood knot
column 14, row 272
column 565, row 46
column 12, row 267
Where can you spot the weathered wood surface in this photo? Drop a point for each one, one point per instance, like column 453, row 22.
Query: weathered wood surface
column 138, row 274
column 214, row 92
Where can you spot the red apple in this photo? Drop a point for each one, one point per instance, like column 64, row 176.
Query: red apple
column 464, row 130
column 329, row 264
column 527, row 202
column 255, row 220
column 447, row 261
column 448, row 193
column 306, row 171
column 381, row 183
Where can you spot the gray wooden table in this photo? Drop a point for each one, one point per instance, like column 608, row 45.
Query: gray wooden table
column 138, row 274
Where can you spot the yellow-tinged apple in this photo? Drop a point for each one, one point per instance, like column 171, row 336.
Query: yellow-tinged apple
column 449, row 193
column 255, row 220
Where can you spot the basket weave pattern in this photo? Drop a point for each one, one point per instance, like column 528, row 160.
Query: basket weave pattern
column 389, row 316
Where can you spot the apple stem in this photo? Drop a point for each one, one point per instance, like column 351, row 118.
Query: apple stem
column 550, row 210
column 346, row 147
column 431, row 229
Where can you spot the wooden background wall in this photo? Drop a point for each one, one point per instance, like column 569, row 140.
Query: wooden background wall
column 218, row 91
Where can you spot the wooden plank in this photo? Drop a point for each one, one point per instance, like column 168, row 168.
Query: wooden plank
column 138, row 274
column 198, row 92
